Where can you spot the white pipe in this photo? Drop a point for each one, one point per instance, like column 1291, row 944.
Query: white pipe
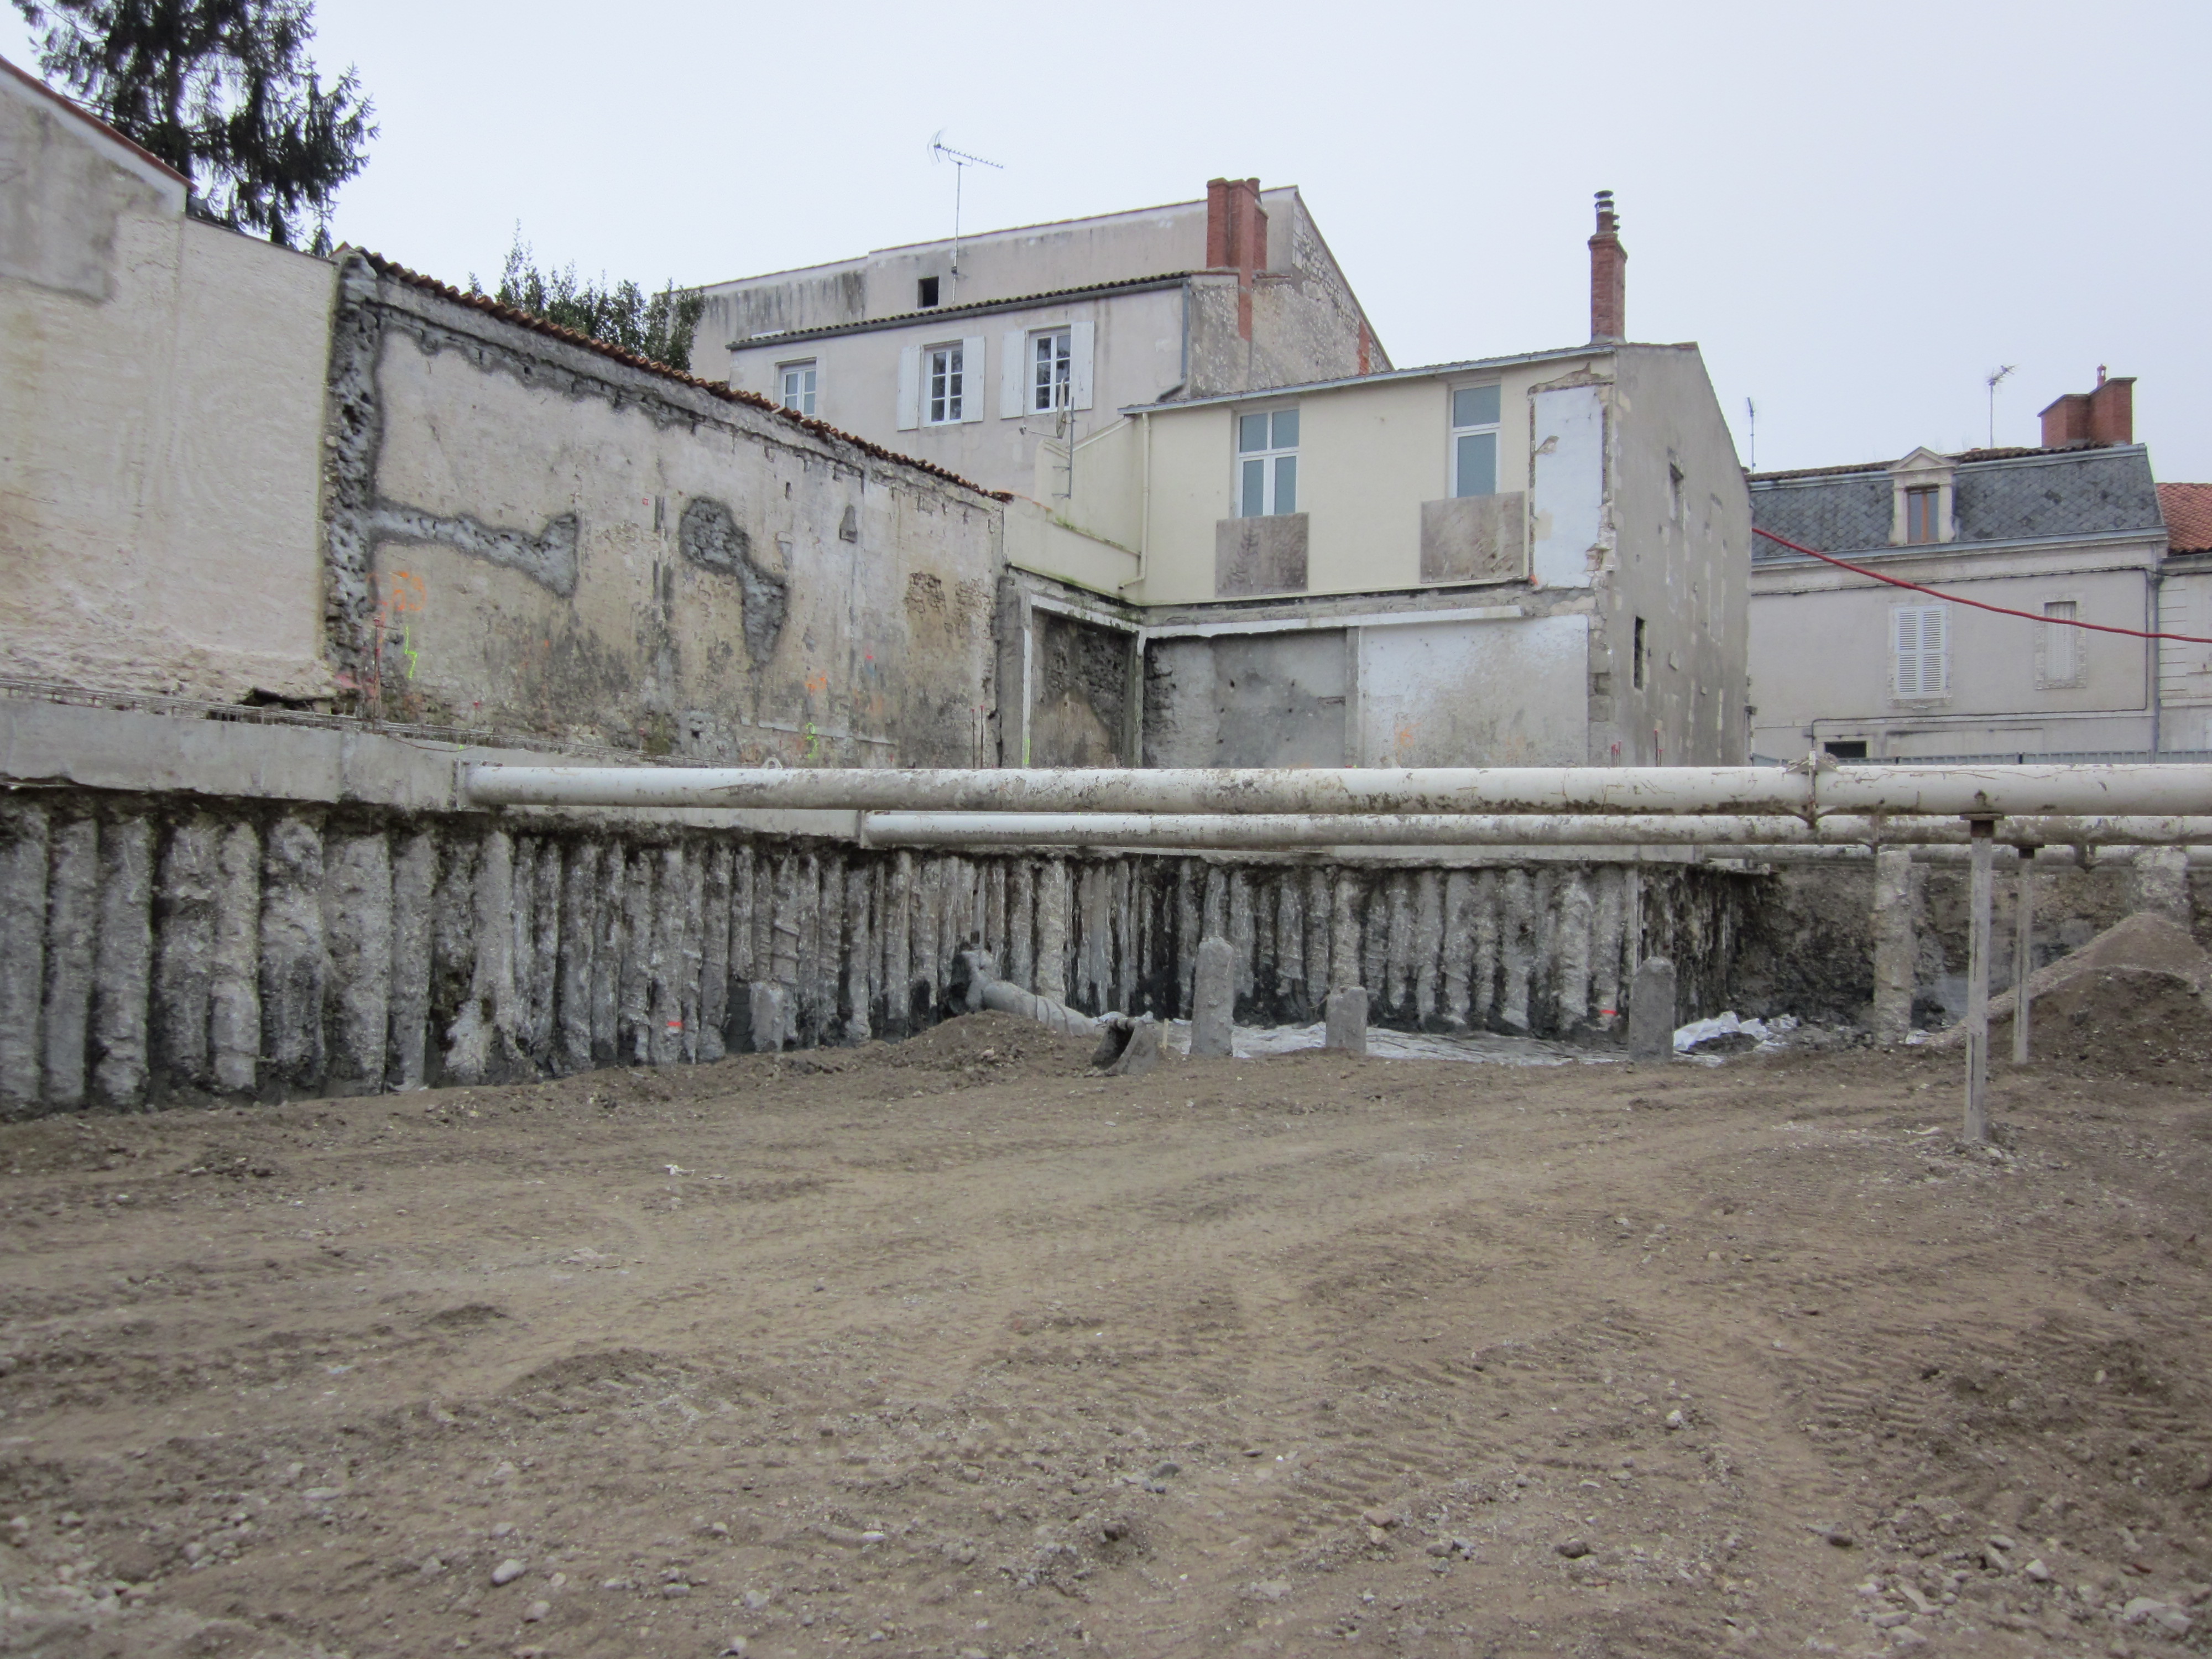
column 1945, row 791
column 2023, row 952
column 1259, row 831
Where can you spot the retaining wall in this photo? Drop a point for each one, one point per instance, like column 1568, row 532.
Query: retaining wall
column 173, row 947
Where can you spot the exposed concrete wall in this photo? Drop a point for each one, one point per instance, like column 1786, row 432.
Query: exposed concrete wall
column 166, row 948
column 526, row 533
column 1473, row 694
column 160, row 392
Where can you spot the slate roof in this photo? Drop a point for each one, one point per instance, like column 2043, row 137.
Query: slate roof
column 980, row 308
column 2188, row 509
column 2001, row 497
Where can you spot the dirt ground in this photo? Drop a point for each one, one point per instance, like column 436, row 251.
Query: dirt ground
column 951, row 1349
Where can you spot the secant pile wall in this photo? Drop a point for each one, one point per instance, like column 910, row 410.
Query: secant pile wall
column 173, row 947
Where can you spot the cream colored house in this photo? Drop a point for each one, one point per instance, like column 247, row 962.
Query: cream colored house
column 1530, row 560
column 1861, row 668
column 996, row 355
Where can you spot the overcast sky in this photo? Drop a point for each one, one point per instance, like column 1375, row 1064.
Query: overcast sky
column 1859, row 211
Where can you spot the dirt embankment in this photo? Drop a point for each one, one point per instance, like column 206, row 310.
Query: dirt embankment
column 951, row 1349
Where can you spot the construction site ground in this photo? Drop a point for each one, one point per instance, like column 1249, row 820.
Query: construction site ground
column 952, row 1348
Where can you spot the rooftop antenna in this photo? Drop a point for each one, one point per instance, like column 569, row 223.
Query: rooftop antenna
column 1991, row 380
column 962, row 161
column 1751, row 415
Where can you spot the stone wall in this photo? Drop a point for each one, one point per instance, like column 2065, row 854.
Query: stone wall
column 173, row 947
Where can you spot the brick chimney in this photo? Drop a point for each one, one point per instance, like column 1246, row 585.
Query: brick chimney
column 1608, row 274
column 1237, row 238
column 2106, row 416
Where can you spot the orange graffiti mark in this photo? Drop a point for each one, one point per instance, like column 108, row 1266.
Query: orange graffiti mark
column 404, row 590
column 818, row 681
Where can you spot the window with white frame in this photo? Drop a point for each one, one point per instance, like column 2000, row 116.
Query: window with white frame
column 798, row 379
column 1268, row 464
column 943, row 393
column 1474, row 410
column 1920, row 651
column 1052, row 362
column 2061, row 642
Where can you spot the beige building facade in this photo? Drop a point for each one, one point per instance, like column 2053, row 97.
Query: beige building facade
column 1005, row 356
column 1531, row 560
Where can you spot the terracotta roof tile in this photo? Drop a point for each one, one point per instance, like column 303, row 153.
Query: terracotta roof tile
column 492, row 307
column 2188, row 511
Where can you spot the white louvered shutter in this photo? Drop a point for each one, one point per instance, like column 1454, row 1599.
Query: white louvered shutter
column 972, row 383
column 1013, row 359
column 1081, row 339
column 909, row 388
column 1920, row 648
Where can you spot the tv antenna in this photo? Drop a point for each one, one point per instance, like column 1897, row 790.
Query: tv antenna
column 1991, row 380
column 962, row 161
column 1750, row 418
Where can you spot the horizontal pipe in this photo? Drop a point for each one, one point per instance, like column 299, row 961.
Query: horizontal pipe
column 1247, row 831
column 1943, row 791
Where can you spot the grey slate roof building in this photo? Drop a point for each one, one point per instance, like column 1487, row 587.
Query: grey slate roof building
column 2002, row 495
column 1958, row 633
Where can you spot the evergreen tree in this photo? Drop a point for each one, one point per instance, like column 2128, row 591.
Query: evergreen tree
column 224, row 92
column 657, row 326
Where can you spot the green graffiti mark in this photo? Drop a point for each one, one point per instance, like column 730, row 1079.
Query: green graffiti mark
column 407, row 649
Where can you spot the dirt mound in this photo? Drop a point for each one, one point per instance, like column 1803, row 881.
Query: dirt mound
column 987, row 1044
column 2143, row 943
column 2118, row 1021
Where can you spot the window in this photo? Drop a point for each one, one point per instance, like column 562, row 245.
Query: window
column 925, row 293
column 1051, row 362
column 1474, row 441
column 1636, row 661
column 1846, row 748
column 1268, row 464
column 942, row 394
column 1920, row 646
column 1921, row 522
column 2062, row 646
column 798, row 386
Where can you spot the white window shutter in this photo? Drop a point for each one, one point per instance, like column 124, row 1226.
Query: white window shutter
column 1904, row 650
column 909, row 388
column 1013, row 383
column 971, row 378
column 1934, row 653
column 1081, row 337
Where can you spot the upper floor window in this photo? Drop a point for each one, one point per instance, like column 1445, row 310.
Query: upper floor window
column 1474, row 410
column 925, row 293
column 1920, row 651
column 945, row 393
column 797, row 393
column 1051, row 360
column 1268, row 464
column 2061, row 642
column 1923, row 505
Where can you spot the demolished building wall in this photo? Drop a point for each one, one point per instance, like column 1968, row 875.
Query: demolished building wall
column 530, row 534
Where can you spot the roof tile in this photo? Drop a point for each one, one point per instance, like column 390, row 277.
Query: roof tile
column 2188, row 510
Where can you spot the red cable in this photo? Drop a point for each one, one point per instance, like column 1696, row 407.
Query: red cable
column 1978, row 604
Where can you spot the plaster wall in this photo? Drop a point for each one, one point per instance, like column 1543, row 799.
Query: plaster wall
column 1821, row 657
column 1370, row 453
column 1475, row 694
column 527, row 534
column 161, row 401
column 1679, row 525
